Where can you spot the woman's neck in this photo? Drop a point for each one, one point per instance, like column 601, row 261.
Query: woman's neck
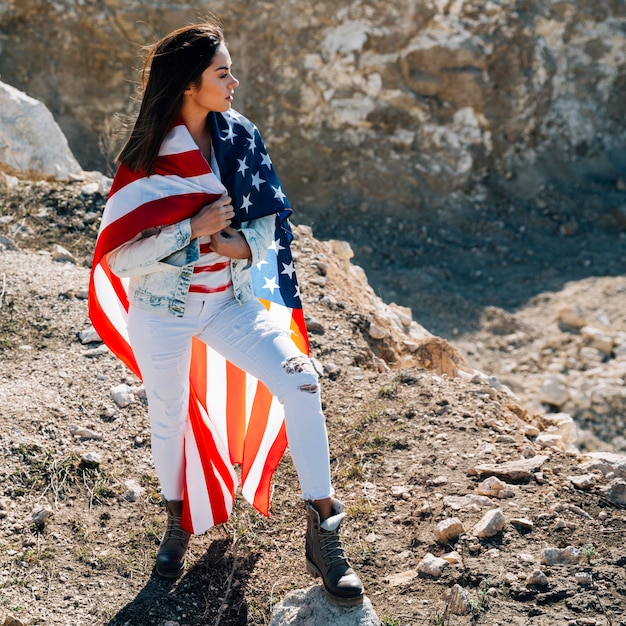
column 199, row 131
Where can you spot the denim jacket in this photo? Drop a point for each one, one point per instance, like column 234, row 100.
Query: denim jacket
column 160, row 264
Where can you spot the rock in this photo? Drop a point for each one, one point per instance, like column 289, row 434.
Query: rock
column 522, row 522
column 89, row 335
column 60, row 254
column 457, row 600
column 84, row 433
column 490, row 525
column 558, row 556
column 493, row 487
column 583, row 578
column 448, row 530
column 584, row 482
column 303, row 607
column 401, row 578
column 91, row 458
column 537, row 577
column 30, row 139
column 432, row 566
column 605, row 462
column 467, row 502
column 40, row 515
column 12, row 621
column 122, row 395
column 573, row 316
column 554, row 392
column 615, row 492
column 133, row 492
column 454, row 558
column 512, row 471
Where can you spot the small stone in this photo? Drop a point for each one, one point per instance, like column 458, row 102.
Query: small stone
column 91, row 458
column 615, row 492
column 490, row 525
column 133, row 492
column 60, row 254
column 557, row 556
column 432, row 566
column 457, row 600
column 491, row 487
column 584, row 482
column 454, row 558
column 510, row 579
column 583, row 578
column 39, row 515
column 401, row 578
column 89, row 335
column 84, row 433
column 448, row 530
column 122, row 395
column 522, row 522
column 537, row 577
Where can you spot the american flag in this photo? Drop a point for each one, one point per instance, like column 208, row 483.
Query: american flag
column 232, row 419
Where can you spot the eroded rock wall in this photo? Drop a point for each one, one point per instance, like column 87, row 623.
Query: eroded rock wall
column 377, row 104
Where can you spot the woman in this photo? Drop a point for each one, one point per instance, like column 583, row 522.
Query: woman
column 195, row 222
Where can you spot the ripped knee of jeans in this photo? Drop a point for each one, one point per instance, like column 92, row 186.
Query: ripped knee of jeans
column 302, row 365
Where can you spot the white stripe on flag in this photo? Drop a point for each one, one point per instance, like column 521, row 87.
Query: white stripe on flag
column 110, row 303
column 216, row 399
column 133, row 195
column 272, row 429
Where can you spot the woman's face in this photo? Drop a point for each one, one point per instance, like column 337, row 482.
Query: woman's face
column 217, row 85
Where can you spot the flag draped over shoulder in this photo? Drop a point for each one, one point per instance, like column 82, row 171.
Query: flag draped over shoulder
column 232, row 419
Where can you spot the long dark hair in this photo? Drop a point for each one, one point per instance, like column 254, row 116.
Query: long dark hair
column 172, row 64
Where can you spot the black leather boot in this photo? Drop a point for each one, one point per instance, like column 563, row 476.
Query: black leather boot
column 170, row 561
column 325, row 556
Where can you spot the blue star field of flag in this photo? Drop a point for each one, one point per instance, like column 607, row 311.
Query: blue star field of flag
column 247, row 172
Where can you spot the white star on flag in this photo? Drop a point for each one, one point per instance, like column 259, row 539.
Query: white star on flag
column 288, row 269
column 265, row 160
column 297, row 292
column 257, row 181
column 231, row 134
column 270, row 283
column 251, row 143
column 243, row 166
column 278, row 193
column 275, row 245
column 260, row 264
column 246, row 203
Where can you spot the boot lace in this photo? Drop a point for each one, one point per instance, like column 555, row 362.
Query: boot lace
column 174, row 532
column 331, row 548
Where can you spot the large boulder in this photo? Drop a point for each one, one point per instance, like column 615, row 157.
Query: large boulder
column 31, row 142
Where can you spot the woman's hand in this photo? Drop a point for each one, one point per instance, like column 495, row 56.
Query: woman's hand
column 212, row 218
column 231, row 243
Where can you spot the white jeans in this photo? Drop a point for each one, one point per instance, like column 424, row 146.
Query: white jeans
column 246, row 335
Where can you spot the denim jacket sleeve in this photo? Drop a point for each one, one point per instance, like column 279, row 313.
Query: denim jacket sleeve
column 258, row 234
column 171, row 245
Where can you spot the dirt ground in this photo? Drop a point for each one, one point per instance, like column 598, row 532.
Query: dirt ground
column 75, row 550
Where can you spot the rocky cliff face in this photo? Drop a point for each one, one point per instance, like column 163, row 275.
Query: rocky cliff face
column 379, row 105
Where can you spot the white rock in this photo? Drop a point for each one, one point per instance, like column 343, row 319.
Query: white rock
column 468, row 502
column 454, row 558
column 91, row 458
column 615, row 492
column 448, row 530
column 133, row 492
column 574, row 316
column 583, row 578
column 401, row 578
column 89, row 335
column 60, row 254
column 491, row 524
column 432, row 566
column 560, row 556
column 491, row 487
column 554, row 392
column 585, row 482
column 311, row 606
column 122, row 395
column 598, row 339
column 30, row 139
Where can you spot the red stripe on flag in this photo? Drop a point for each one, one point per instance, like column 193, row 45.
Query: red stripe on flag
column 262, row 498
column 298, row 331
column 235, row 411
column 160, row 212
column 256, row 428
column 198, row 371
column 211, row 462
column 207, row 289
